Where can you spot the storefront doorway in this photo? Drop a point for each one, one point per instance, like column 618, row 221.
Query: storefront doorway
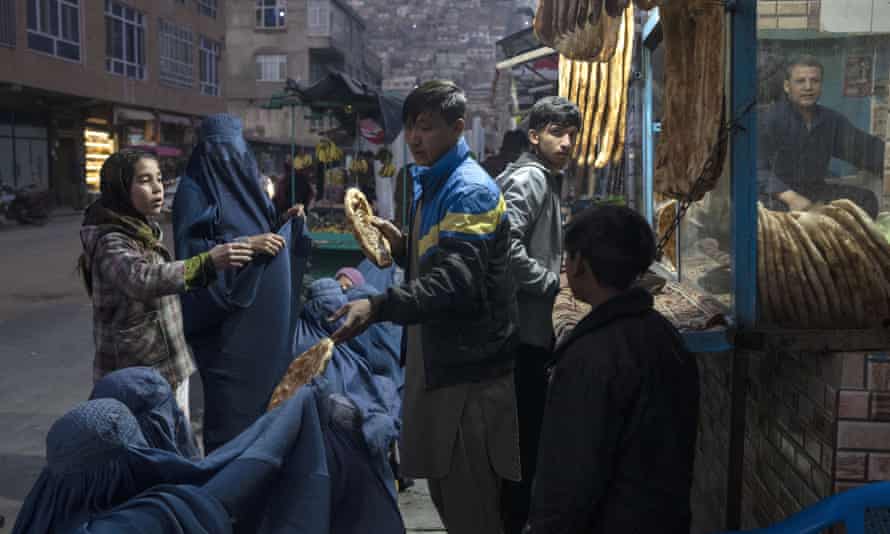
column 24, row 152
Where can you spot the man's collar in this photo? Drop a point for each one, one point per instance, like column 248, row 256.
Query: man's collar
column 818, row 111
column 531, row 157
column 444, row 166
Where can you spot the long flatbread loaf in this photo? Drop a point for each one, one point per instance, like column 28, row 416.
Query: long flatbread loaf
column 764, row 295
column 301, row 371
column 370, row 239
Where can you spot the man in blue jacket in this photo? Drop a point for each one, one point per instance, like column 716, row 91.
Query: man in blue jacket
column 459, row 426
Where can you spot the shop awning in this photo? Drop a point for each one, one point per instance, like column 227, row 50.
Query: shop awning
column 347, row 97
column 175, row 119
column 525, row 57
column 132, row 114
column 161, row 151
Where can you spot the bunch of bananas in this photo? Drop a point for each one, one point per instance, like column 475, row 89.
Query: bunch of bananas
column 302, row 161
column 328, row 152
column 383, row 155
column 388, row 170
column 334, row 176
column 359, row 165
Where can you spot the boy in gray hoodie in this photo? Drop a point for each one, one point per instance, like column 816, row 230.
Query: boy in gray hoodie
column 532, row 187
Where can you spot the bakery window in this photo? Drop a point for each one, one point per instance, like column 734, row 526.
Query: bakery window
column 692, row 222
column 824, row 216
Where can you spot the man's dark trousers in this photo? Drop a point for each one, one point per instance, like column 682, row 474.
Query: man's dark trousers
column 531, row 393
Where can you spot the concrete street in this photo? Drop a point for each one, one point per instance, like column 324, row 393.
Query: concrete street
column 46, row 353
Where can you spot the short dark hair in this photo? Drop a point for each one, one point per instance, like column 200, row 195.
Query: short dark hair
column 616, row 241
column 515, row 141
column 803, row 61
column 437, row 96
column 554, row 110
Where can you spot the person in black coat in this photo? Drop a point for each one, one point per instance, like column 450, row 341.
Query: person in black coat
column 618, row 439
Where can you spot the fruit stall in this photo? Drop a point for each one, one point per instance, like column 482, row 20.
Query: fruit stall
column 786, row 306
column 363, row 116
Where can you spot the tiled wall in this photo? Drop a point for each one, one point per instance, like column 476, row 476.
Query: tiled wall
column 817, row 422
column 863, row 428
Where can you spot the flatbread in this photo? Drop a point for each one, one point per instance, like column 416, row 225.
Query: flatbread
column 664, row 219
column 301, row 371
column 874, row 286
column 794, row 277
column 819, row 276
column 763, row 273
column 358, row 212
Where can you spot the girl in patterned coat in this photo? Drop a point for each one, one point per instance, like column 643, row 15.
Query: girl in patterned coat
column 131, row 278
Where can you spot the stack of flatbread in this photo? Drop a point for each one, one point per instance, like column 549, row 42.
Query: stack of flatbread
column 302, row 370
column 373, row 243
column 825, row 268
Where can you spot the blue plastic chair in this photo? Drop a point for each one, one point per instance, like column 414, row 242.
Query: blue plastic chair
column 862, row 510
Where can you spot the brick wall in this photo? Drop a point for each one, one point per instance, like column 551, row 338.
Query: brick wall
column 863, row 427
column 709, row 492
column 789, row 432
column 816, row 422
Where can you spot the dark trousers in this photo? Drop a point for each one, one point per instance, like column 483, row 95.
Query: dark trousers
column 531, row 392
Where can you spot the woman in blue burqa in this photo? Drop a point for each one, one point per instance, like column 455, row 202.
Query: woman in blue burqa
column 270, row 479
column 240, row 327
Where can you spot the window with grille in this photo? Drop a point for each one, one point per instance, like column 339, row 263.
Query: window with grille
column 207, row 7
column 124, row 40
column 54, row 27
column 271, row 68
column 176, row 47
column 271, row 13
column 210, row 52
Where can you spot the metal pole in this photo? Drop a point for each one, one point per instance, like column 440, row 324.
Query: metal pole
column 293, row 142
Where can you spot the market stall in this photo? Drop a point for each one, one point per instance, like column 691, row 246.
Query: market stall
column 765, row 182
column 351, row 154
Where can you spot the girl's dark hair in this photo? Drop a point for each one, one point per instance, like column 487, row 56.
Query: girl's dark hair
column 616, row 241
column 116, row 179
column 436, row 96
column 553, row 110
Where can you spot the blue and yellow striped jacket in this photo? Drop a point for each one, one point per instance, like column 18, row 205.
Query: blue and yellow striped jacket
column 460, row 200
column 462, row 292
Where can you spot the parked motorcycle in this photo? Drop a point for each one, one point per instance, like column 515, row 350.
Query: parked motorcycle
column 27, row 205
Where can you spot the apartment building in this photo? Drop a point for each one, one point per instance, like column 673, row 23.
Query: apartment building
column 79, row 80
column 271, row 41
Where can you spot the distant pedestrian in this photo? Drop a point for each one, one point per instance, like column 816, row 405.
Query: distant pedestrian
column 618, row 440
column 131, row 278
column 514, row 144
column 349, row 277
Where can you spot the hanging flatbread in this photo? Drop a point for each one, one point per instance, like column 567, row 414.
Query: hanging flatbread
column 359, row 213
column 301, row 371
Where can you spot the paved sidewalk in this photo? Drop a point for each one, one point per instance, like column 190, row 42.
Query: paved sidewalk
column 418, row 511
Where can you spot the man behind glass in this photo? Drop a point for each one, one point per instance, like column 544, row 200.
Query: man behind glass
column 798, row 138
